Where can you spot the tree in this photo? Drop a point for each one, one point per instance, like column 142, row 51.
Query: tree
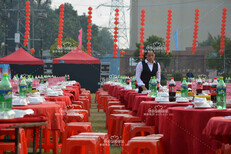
column 207, row 42
column 107, row 40
column 68, row 45
column 158, row 43
column 216, row 61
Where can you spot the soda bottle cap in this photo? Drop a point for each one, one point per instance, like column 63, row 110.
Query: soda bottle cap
column 215, row 78
column 5, row 74
column 221, row 77
column 172, row 78
column 184, row 78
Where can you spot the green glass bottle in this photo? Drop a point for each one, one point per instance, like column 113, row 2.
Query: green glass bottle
column 221, row 94
column 29, row 84
column 153, row 86
column 23, row 88
column 184, row 88
column 5, row 93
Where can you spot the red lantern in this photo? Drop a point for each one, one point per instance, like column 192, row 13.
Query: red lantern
column 89, row 17
column 122, row 52
column 28, row 14
column 27, row 2
column 89, row 30
column 115, row 40
column 143, row 11
column 114, row 56
column 88, row 38
column 89, row 26
column 89, row 21
column 90, row 8
column 141, row 49
column 32, row 50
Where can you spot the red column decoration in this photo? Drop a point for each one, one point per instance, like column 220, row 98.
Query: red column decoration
column 222, row 42
column 61, row 20
column 195, row 34
column 122, row 52
column 116, row 34
column 141, row 54
column 27, row 24
column 168, row 34
column 89, row 26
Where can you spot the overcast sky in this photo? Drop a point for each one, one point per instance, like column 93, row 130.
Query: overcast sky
column 100, row 16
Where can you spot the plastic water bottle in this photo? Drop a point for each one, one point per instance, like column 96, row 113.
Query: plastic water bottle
column 213, row 90
column 133, row 82
column 23, row 88
column 5, row 93
column 184, row 88
column 41, row 80
column 172, row 90
column 221, row 94
column 29, row 84
column 153, row 86
column 199, row 86
column 158, row 84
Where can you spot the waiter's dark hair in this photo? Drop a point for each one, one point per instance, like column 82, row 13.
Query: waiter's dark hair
column 146, row 51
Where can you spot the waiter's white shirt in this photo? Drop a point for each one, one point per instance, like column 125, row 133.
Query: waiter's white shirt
column 139, row 69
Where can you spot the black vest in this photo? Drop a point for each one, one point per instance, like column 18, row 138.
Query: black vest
column 147, row 74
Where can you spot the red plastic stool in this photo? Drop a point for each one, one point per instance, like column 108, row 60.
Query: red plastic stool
column 114, row 128
column 82, row 145
column 104, row 141
column 150, row 144
column 74, row 117
column 121, row 112
column 81, row 103
column 80, row 111
column 131, row 130
column 4, row 146
column 120, row 123
column 110, row 109
column 74, row 106
column 75, row 128
column 86, row 102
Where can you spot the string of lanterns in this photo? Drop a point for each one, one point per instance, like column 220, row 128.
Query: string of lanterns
column 116, row 34
column 27, row 24
column 222, row 42
column 195, row 34
column 141, row 54
column 168, row 33
column 61, row 21
column 89, row 26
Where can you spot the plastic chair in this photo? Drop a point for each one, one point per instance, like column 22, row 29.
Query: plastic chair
column 75, row 128
column 150, row 144
column 4, row 146
column 80, row 111
column 82, row 145
column 131, row 130
column 110, row 109
column 104, row 141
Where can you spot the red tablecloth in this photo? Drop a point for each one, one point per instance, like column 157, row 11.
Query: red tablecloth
column 182, row 129
column 4, row 123
column 63, row 98
column 138, row 99
column 53, row 112
column 150, row 111
column 219, row 128
column 128, row 98
column 75, row 89
column 117, row 90
column 106, row 86
column 122, row 94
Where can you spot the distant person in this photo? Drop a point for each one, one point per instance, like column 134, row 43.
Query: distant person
column 189, row 75
column 147, row 68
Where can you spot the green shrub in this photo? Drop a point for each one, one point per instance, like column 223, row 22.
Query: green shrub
column 178, row 76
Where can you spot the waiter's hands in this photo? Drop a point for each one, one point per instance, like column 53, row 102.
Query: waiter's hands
column 144, row 88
